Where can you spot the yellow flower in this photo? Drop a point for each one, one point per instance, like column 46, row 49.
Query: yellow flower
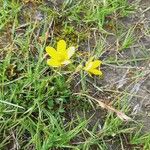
column 92, row 67
column 60, row 56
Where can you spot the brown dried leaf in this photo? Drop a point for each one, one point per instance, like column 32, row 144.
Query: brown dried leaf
column 120, row 114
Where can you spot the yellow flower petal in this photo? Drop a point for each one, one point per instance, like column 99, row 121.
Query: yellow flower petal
column 53, row 63
column 61, row 57
column 61, row 46
column 95, row 72
column 89, row 61
column 96, row 63
column 88, row 66
column 91, row 66
column 51, row 51
column 70, row 51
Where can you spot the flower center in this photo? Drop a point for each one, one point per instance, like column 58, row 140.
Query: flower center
column 62, row 57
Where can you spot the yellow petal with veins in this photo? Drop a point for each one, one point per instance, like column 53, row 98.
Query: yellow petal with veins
column 95, row 72
column 88, row 66
column 92, row 67
column 51, row 52
column 53, row 63
column 96, row 63
column 61, row 46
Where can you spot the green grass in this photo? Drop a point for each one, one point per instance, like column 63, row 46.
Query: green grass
column 43, row 108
